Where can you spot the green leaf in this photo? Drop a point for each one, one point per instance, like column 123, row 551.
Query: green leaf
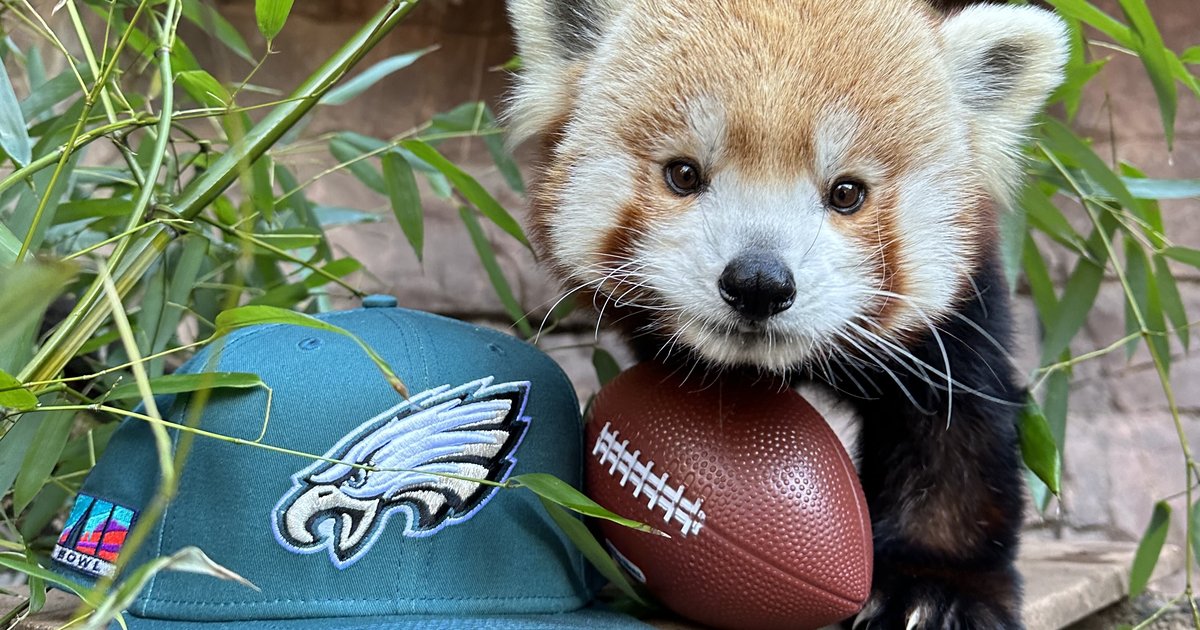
column 474, row 193
column 606, row 366
column 92, row 209
column 345, row 152
column 14, row 137
column 591, row 549
column 1087, row 13
column 244, row 316
column 187, row 560
column 38, row 283
column 204, row 88
column 1184, row 255
column 1149, row 548
column 290, row 238
column 1172, row 301
column 13, row 446
column 1082, row 288
column 1013, row 225
column 331, row 216
column 271, row 15
column 1153, row 52
column 41, row 101
column 1144, row 188
column 1061, row 139
column 372, row 75
column 562, row 493
column 20, row 564
column 1045, row 216
column 210, row 21
column 10, row 246
column 1040, row 285
column 1038, row 448
column 405, row 199
column 53, row 430
column 1191, row 55
column 14, row 395
column 180, row 383
column 487, row 256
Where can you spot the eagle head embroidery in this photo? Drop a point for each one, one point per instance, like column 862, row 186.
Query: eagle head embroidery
column 424, row 457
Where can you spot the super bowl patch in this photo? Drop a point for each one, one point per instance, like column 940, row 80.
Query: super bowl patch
column 424, row 458
column 92, row 539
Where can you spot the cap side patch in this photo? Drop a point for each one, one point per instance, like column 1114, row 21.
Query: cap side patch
column 92, row 539
column 421, row 457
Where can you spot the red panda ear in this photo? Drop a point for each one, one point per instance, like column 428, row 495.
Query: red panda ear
column 1004, row 62
column 553, row 38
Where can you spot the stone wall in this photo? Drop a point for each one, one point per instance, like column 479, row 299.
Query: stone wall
column 1122, row 452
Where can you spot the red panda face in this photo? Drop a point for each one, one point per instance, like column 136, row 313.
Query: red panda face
column 769, row 182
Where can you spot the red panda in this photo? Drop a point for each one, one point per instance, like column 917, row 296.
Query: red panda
column 811, row 188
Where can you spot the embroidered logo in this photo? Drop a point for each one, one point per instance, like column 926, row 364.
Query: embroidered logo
column 422, row 457
column 93, row 536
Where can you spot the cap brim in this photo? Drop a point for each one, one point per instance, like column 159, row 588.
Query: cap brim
column 586, row 619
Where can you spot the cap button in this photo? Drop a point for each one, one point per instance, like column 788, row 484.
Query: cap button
column 379, row 301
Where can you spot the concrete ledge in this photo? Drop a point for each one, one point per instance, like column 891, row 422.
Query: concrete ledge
column 1065, row 582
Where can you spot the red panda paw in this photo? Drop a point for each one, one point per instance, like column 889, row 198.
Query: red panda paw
column 960, row 600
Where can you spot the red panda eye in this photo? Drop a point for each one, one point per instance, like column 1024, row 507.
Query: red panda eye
column 683, row 177
column 847, row 196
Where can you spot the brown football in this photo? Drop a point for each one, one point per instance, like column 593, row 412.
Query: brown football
column 767, row 521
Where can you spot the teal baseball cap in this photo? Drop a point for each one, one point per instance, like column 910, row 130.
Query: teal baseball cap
column 382, row 522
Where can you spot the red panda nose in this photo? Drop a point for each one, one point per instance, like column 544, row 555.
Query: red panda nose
column 758, row 285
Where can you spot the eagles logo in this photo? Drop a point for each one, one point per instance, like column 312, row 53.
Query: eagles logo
column 424, row 457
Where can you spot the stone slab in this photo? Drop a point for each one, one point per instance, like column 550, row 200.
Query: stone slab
column 1064, row 583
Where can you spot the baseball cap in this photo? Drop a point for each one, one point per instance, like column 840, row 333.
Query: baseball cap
column 413, row 542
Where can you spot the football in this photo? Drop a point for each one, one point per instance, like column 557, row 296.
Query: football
column 767, row 521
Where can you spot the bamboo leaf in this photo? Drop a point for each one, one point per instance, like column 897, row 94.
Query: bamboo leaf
column 561, row 493
column 1191, row 55
column 1172, row 301
column 1145, row 188
column 405, row 199
column 1149, row 548
column 10, row 246
column 204, row 88
column 56, row 90
column 487, row 256
column 182, row 383
column 1038, row 448
column 1013, row 225
column 20, row 564
column 365, row 79
column 1184, row 255
column 211, row 21
column 14, row 395
column 53, row 430
column 465, row 184
column 346, row 152
column 578, row 533
column 1153, row 52
column 244, row 316
column 187, row 560
column 1087, row 13
column 606, row 366
column 1072, row 310
column 13, row 446
column 14, row 137
column 271, row 15
column 1062, row 140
